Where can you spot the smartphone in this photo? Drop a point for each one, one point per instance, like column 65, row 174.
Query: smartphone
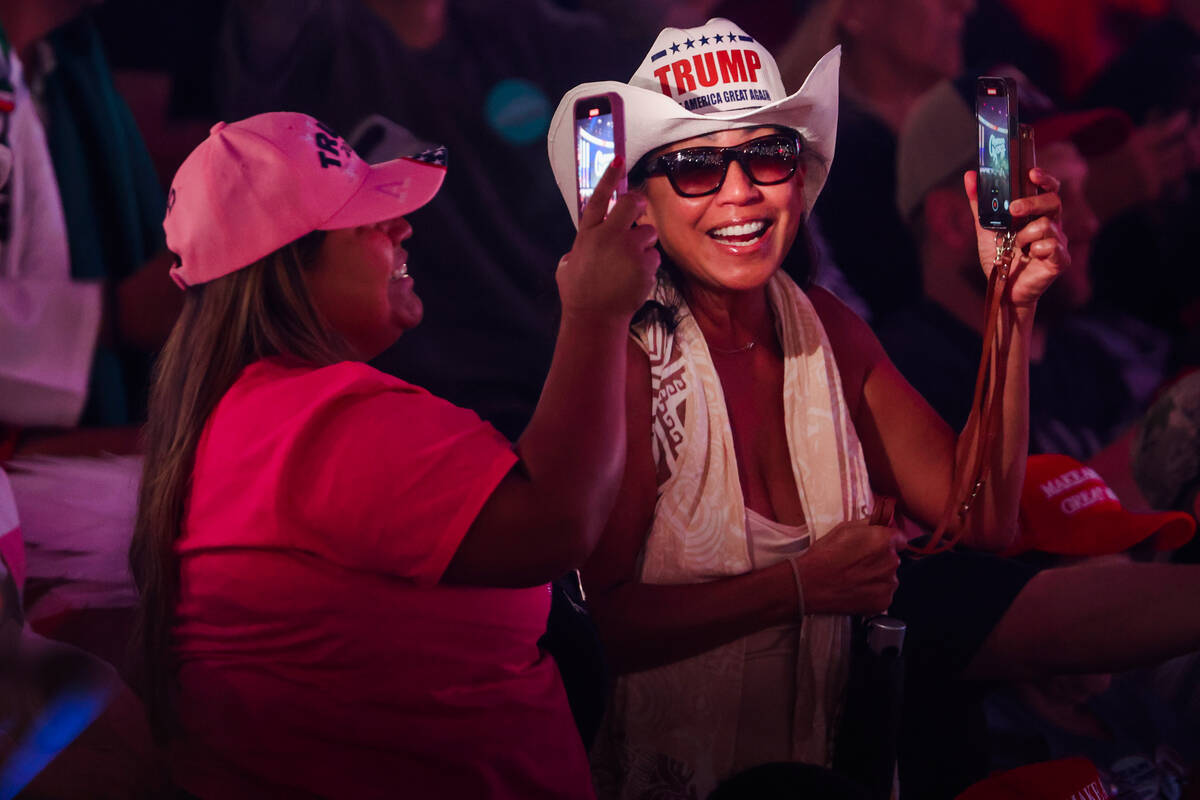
column 599, row 138
column 999, row 150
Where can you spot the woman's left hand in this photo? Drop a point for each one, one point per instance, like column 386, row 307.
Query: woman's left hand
column 1041, row 246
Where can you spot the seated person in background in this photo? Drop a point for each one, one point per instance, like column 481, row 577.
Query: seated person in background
column 890, row 58
column 1088, row 377
column 343, row 576
column 1146, row 193
column 107, row 202
column 1145, row 743
column 83, row 303
column 1156, row 80
column 49, row 321
column 1088, row 380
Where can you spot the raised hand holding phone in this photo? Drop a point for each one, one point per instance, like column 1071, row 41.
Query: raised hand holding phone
column 612, row 264
column 1022, row 249
column 1039, row 245
column 1013, row 198
column 599, row 139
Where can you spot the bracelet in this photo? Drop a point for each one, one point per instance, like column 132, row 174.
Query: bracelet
column 799, row 589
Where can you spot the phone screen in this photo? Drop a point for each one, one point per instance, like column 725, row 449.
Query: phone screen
column 995, row 161
column 595, row 145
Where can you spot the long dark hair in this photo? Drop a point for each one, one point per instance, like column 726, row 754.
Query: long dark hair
column 259, row 311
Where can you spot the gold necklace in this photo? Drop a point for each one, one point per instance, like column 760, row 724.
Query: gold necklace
column 747, row 347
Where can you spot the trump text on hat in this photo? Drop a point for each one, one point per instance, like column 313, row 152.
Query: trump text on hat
column 707, row 69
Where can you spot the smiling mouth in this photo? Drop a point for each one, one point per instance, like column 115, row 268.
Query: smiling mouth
column 742, row 233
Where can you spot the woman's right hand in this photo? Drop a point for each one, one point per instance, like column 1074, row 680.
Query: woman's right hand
column 851, row 570
column 610, row 269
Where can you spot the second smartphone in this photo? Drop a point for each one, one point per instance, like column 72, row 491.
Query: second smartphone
column 999, row 150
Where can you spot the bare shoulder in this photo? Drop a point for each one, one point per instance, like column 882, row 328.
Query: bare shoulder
column 855, row 346
column 847, row 331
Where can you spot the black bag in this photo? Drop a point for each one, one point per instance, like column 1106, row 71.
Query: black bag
column 867, row 737
column 571, row 637
column 865, row 749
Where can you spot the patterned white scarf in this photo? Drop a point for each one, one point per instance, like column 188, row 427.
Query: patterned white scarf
column 670, row 731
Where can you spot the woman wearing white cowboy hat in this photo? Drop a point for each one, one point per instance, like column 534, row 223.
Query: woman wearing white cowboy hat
column 739, row 547
column 342, row 577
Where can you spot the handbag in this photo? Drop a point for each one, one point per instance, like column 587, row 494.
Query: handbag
column 572, row 639
column 867, row 733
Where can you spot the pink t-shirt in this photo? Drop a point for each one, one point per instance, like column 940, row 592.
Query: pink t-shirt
column 318, row 651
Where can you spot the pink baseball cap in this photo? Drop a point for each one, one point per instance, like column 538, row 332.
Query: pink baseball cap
column 255, row 185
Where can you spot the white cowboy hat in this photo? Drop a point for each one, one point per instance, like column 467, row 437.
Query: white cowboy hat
column 701, row 80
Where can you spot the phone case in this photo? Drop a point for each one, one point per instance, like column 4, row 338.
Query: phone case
column 999, row 219
column 617, row 109
column 1027, row 160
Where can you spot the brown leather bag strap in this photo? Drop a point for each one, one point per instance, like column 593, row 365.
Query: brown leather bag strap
column 983, row 424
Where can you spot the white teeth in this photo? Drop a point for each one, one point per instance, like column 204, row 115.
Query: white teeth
column 745, row 229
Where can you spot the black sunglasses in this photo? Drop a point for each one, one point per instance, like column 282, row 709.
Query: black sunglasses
column 699, row 171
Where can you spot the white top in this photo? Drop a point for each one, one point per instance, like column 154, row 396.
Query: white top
column 771, row 542
column 765, row 719
column 48, row 322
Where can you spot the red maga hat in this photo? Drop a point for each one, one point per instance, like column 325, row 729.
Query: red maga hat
column 1068, row 509
column 1065, row 779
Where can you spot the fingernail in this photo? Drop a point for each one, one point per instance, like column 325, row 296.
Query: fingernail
column 1017, row 208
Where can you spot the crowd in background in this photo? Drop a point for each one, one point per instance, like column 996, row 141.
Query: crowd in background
column 102, row 102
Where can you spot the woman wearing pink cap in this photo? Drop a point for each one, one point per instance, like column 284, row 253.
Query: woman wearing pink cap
column 343, row 578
